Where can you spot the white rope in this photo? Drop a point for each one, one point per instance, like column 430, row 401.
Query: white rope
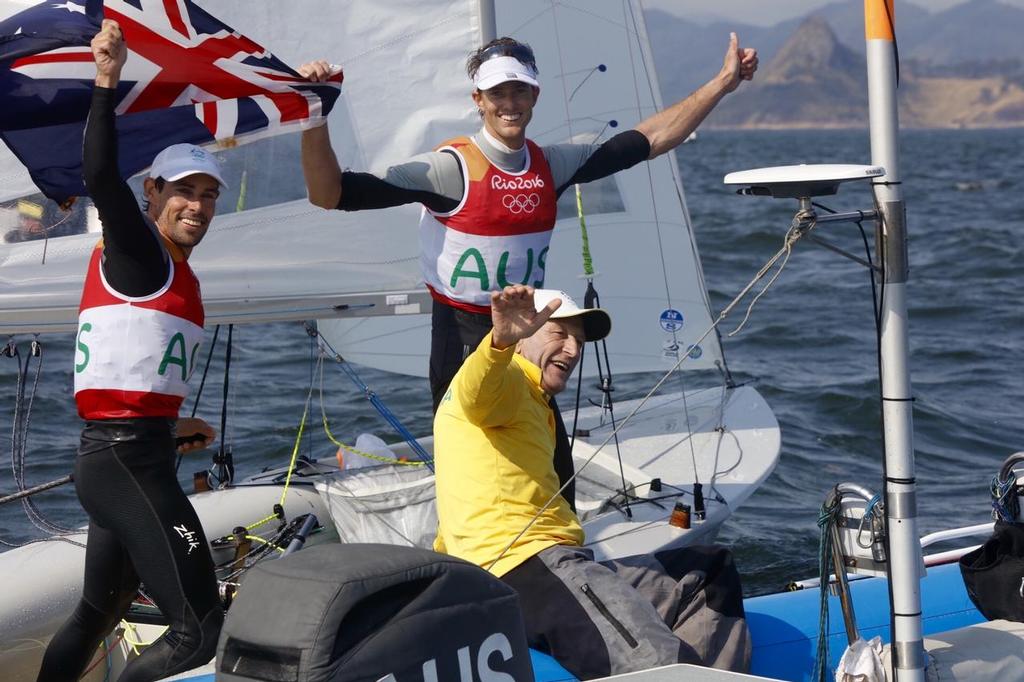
column 796, row 230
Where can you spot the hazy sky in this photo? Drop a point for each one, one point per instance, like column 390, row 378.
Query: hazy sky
column 768, row 12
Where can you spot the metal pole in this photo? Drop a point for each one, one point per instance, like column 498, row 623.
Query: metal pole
column 488, row 22
column 897, row 418
column 843, row 587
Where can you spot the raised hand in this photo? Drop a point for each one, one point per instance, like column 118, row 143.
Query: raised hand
column 514, row 316
column 109, row 53
column 739, row 64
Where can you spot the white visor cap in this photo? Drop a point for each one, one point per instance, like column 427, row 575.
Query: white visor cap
column 501, row 70
column 597, row 323
column 181, row 160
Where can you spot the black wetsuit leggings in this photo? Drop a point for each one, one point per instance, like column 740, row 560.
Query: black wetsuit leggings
column 141, row 526
column 455, row 334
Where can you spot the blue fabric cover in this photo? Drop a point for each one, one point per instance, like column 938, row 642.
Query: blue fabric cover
column 547, row 669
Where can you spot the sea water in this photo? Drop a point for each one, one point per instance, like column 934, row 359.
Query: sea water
column 809, row 348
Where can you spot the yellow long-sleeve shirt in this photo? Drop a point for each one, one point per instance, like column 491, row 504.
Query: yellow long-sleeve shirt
column 494, row 439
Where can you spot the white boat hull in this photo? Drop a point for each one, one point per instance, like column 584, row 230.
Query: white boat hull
column 654, row 445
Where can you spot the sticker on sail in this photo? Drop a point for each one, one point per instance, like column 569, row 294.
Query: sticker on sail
column 695, row 352
column 671, row 320
column 670, row 351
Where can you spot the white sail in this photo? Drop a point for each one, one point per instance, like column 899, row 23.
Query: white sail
column 405, row 91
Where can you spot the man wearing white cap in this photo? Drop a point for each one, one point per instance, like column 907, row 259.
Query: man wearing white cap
column 140, row 326
column 490, row 199
column 498, row 507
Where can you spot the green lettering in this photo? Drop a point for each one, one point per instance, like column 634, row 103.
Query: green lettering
column 480, row 273
column 192, row 360
column 80, row 367
column 170, row 358
column 541, row 257
column 503, row 262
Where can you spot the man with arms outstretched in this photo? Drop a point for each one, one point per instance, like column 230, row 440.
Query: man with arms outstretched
column 476, row 235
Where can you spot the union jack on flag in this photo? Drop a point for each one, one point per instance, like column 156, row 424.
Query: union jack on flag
column 188, row 78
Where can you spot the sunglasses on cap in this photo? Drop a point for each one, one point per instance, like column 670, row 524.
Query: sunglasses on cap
column 518, row 51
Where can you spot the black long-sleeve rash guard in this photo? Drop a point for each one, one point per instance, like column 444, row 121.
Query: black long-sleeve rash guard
column 135, row 262
column 361, row 191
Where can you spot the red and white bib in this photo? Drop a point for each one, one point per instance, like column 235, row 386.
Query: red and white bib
column 134, row 356
column 497, row 235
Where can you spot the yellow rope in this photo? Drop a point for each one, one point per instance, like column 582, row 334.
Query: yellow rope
column 257, row 538
column 349, row 448
column 134, row 644
column 588, row 263
column 291, row 464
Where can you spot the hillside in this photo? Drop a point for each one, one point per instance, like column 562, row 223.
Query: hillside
column 956, row 67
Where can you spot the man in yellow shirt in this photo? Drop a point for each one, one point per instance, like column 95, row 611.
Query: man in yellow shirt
column 499, row 507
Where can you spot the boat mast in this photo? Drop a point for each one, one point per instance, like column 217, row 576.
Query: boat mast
column 488, row 22
column 897, row 417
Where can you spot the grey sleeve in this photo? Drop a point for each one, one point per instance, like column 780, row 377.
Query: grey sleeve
column 434, row 172
column 565, row 159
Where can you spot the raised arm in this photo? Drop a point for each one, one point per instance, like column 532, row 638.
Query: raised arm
column 666, row 129
column 433, row 179
column 319, row 164
column 133, row 260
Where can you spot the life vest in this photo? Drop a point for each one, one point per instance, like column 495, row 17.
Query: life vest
column 134, row 356
column 497, row 235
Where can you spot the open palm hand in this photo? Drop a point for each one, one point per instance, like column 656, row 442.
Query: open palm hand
column 514, row 316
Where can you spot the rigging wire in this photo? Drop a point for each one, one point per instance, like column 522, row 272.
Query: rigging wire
column 19, row 442
column 592, row 300
column 650, row 175
column 222, row 460
column 349, row 448
column 202, row 383
column 374, row 399
column 797, row 229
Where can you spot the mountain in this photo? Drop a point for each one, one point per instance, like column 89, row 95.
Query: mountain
column 812, row 76
column 812, row 81
column 687, row 53
column 978, row 30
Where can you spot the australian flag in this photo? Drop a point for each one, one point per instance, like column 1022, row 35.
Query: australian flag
column 188, row 78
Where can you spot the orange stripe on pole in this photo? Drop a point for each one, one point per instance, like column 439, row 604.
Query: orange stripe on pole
column 877, row 13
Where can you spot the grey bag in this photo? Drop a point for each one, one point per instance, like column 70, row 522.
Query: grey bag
column 369, row 613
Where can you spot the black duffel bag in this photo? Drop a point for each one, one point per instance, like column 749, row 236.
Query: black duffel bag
column 994, row 573
column 366, row 612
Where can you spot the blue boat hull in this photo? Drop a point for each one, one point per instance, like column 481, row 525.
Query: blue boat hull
column 784, row 627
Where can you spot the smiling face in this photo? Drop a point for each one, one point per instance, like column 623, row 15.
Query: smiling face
column 555, row 348
column 183, row 209
column 507, row 109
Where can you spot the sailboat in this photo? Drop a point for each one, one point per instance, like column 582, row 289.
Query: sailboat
column 279, row 258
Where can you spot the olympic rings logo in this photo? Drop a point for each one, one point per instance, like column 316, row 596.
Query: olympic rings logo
column 521, row 203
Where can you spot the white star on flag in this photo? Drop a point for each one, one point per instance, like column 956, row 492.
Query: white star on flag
column 71, row 7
